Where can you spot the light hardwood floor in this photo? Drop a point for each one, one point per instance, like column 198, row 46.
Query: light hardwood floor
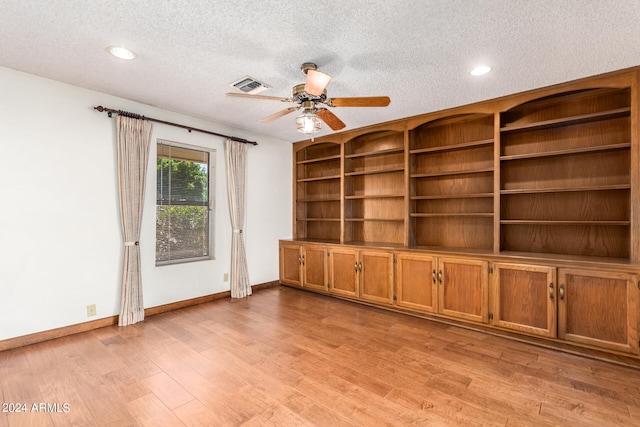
column 290, row 358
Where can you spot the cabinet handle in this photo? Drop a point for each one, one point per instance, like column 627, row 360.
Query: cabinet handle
column 440, row 276
column 355, row 265
column 561, row 291
column 551, row 291
column 302, row 259
column 433, row 276
column 360, row 266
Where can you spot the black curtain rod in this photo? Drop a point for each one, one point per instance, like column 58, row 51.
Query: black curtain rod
column 111, row 111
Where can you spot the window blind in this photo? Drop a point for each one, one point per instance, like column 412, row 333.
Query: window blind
column 183, row 208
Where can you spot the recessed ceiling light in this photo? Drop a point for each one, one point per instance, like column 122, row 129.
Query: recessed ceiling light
column 480, row 70
column 121, row 52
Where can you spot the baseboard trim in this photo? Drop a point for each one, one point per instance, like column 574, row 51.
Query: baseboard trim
column 64, row 331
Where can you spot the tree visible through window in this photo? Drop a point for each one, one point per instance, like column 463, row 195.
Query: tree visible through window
column 183, row 203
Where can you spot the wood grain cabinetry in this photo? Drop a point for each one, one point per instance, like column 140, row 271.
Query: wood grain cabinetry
column 463, row 288
column 304, row 265
column 367, row 274
column 376, row 281
column 524, row 298
column 343, row 270
column 543, row 186
column 591, row 307
column 595, row 308
column 291, row 263
column 456, row 288
column 416, row 282
column 598, row 308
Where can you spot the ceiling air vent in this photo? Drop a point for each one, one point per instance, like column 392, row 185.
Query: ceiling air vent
column 250, row 85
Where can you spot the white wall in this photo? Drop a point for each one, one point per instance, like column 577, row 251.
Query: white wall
column 60, row 235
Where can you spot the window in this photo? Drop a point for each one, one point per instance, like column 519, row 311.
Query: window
column 184, row 203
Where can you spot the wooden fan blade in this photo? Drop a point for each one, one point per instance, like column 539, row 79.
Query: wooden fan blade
column 368, row 101
column 331, row 119
column 278, row 114
column 316, row 82
column 248, row 95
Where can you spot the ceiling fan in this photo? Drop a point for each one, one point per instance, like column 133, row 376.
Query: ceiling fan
column 311, row 97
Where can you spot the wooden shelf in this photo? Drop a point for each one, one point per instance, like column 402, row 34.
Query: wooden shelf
column 451, row 173
column 375, row 153
column 374, row 219
column 320, row 219
column 452, row 214
column 570, row 151
column 569, row 189
column 318, row 160
column 569, row 222
column 376, row 171
column 453, row 196
column 452, row 147
column 571, row 120
column 320, row 178
column 318, row 199
column 374, row 196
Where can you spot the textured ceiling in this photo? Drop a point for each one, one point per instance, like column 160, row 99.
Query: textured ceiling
column 418, row 52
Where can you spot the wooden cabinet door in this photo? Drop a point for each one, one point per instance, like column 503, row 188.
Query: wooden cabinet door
column 598, row 308
column 416, row 282
column 376, row 276
column 344, row 271
column 463, row 289
column 291, row 264
column 314, row 263
column 524, row 298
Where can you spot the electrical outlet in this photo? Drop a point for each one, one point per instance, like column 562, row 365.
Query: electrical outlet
column 226, row 277
column 91, row 310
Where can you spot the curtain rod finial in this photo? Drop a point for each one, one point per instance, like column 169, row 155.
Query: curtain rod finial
column 101, row 109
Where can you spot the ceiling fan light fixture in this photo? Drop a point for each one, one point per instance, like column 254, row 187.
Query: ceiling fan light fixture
column 308, row 123
column 316, row 82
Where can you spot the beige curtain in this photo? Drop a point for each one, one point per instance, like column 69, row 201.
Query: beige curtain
column 134, row 136
column 236, row 155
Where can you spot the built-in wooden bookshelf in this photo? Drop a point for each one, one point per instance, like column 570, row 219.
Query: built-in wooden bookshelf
column 565, row 167
column 317, row 191
column 547, row 174
column 374, row 188
column 517, row 215
column 451, row 182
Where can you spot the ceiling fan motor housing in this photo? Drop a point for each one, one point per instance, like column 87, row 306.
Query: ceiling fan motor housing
column 299, row 95
column 308, row 106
